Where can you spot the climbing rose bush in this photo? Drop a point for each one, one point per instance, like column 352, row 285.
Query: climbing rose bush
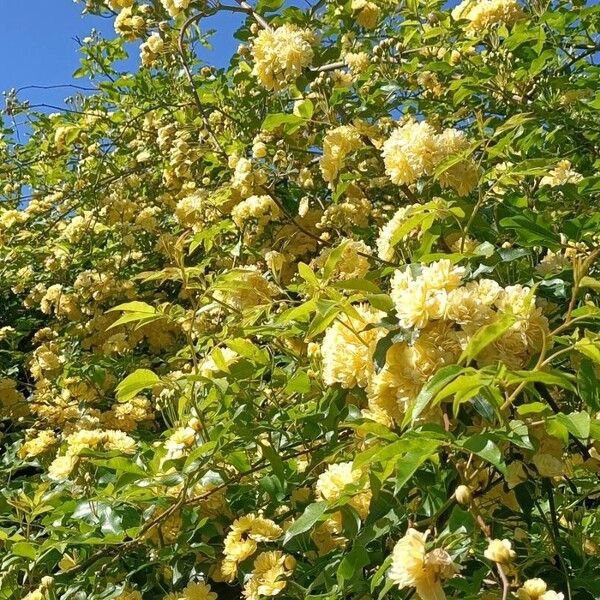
column 319, row 324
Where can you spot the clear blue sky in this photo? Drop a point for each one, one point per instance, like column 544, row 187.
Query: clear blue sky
column 38, row 47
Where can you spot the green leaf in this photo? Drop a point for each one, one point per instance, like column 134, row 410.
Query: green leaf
column 587, row 384
column 135, row 307
column 485, row 336
column 135, row 312
column 299, row 383
column 576, row 423
column 352, row 563
column 120, row 463
column 263, row 6
column 362, row 285
column 381, row 348
column 532, row 230
column 483, row 446
column 380, row 301
column 589, row 348
column 440, row 380
column 290, row 122
column 248, row 350
column 308, row 274
column 304, row 108
column 312, row 513
column 24, row 549
column 549, row 377
column 382, row 453
column 134, row 383
column 412, row 460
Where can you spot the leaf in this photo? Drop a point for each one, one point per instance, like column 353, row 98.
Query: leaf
column 408, row 464
column 137, row 381
column 120, row 463
column 308, row 274
column 304, row 108
column 549, row 377
column 382, row 453
column 590, row 282
column 333, row 258
column 587, row 384
column 381, row 348
column 135, row 312
column 273, row 121
column 532, row 231
column 363, row 285
column 352, row 563
column 312, row 513
column 248, row 350
column 380, row 301
column 483, row 446
column 442, row 378
column 135, row 306
column 576, row 423
column 263, row 6
column 24, row 549
column 298, row 313
column 299, row 383
column 589, row 348
column 485, row 336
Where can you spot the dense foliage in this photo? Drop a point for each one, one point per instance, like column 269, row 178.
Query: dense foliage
column 321, row 324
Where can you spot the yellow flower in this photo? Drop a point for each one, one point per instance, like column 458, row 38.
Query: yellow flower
column 61, row 466
column 129, row 595
column 259, row 208
column 347, row 348
column 410, row 152
column 119, row 4
column 180, row 440
column 337, row 144
column 175, row 7
column 357, row 61
column 268, row 575
column 350, row 265
column 332, row 483
column 561, row 174
column 463, row 494
column 43, row 441
column 247, row 287
column 244, row 535
column 421, row 299
column 412, row 566
column 499, row 551
column 224, row 571
column 532, row 589
column 281, row 54
column 367, row 13
column 198, row 591
column 485, row 13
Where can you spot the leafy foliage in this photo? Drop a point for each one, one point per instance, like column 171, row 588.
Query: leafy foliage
column 265, row 326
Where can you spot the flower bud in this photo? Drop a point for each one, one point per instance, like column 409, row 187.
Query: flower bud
column 463, row 495
column 499, row 551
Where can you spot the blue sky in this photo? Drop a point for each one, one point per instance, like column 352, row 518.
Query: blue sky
column 38, row 47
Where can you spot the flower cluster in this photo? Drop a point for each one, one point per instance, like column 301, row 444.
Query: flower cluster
column 261, row 325
column 280, row 55
column 415, row 149
column 482, row 14
column 337, row 144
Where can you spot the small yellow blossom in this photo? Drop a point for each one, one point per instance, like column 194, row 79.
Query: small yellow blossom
column 499, row 551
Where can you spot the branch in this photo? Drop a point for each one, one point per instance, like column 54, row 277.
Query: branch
column 188, row 74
